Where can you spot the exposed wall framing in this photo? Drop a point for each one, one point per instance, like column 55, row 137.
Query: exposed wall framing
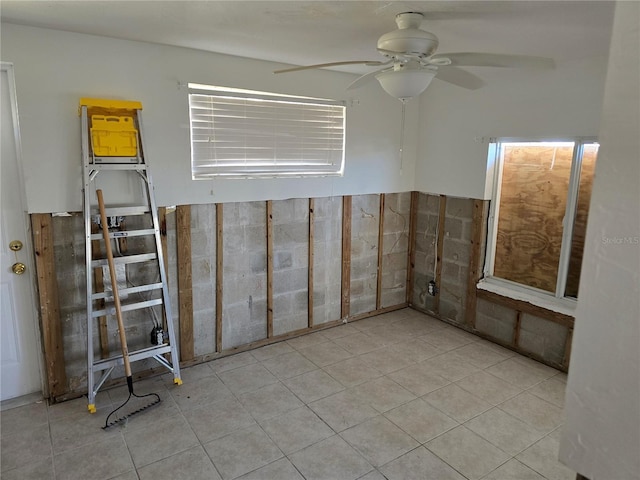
column 185, row 290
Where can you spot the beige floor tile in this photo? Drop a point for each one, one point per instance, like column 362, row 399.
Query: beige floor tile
column 281, row 469
column 374, row 322
column 330, row 459
column 538, row 413
column 386, row 359
column 187, row 375
column 543, row 458
column 78, row 406
column 242, row 452
column 359, row 343
column 520, row 374
column 84, row 462
column 289, row 365
column 218, row 419
column 451, row 366
column 457, row 403
column 308, row 340
column 480, row 355
column 379, row 440
column 130, row 475
column 513, row 470
column 26, row 446
column 231, row 362
column 540, row 367
column 488, row 387
column 382, row 394
column 39, row 470
column 296, row 430
column 467, row 452
column 420, row 420
column 504, row 431
column 342, row 410
column 352, row 371
column 21, row 418
column 247, row 378
column 445, row 339
column 389, row 334
column 324, row 354
column 551, row 390
column 340, row 331
column 69, row 433
column 158, row 440
column 269, row 401
column 193, row 464
column 314, row 385
column 419, row 464
column 418, row 379
column 201, row 392
column 417, row 349
column 270, row 351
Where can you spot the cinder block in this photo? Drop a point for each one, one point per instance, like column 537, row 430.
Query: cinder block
column 204, row 297
column 495, row 320
column 255, row 238
column 282, row 305
column 282, row 260
column 543, row 337
column 456, row 251
column 204, row 332
column 290, row 280
column 453, row 228
column 362, row 304
column 459, row 207
column 290, row 233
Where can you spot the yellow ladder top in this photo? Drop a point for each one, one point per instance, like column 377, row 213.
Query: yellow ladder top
column 109, row 104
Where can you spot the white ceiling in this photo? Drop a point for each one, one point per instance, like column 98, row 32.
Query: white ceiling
column 308, row 32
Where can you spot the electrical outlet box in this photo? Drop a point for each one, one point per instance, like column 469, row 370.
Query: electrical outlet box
column 432, row 288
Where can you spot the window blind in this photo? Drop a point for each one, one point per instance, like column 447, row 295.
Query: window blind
column 246, row 134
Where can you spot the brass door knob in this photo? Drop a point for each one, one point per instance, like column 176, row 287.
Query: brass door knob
column 15, row 245
column 19, row 268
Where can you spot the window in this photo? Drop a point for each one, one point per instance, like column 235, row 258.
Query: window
column 539, row 214
column 244, row 133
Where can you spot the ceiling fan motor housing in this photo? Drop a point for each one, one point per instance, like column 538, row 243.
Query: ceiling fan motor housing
column 408, row 38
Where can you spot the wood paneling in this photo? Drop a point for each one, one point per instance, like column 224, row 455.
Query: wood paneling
column 535, row 182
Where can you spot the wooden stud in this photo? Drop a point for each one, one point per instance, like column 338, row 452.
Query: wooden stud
column 380, row 252
column 346, row 257
column 98, row 280
column 411, row 262
column 42, row 228
column 475, row 261
column 122, row 241
column 185, row 286
column 269, row 221
column 526, row 307
column 516, row 329
column 219, row 272
column 162, row 222
column 440, row 249
column 310, row 266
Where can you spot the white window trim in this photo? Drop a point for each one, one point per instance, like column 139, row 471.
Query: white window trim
column 552, row 301
column 337, row 167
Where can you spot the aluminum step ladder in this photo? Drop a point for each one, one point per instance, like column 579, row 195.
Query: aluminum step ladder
column 113, row 154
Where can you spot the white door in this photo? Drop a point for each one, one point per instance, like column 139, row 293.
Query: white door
column 19, row 354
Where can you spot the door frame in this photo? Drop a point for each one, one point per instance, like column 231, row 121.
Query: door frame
column 28, row 234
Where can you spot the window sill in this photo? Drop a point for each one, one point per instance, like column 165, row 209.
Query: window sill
column 565, row 306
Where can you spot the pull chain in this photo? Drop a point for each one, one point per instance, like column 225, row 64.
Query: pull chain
column 404, row 103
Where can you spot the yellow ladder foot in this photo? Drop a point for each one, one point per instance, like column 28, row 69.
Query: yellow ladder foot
column 91, row 407
column 177, row 381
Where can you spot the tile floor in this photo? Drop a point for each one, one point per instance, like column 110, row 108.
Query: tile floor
column 398, row 396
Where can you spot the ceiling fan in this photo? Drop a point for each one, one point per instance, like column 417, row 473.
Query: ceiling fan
column 412, row 62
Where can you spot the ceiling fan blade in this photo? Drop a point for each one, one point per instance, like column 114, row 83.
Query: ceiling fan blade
column 360, row 81
column 495, row 60
column 459, row 77
column 369, row 63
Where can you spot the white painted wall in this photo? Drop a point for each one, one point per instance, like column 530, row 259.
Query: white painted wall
column 55, row 69
column 602, row 432
column 456, row 124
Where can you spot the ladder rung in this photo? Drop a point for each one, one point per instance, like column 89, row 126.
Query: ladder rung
column 127, row 308
column 118, row 166
column 122, row 211
column 125, row 234
column 100, row 365
column 127, row 291
column 127, row 259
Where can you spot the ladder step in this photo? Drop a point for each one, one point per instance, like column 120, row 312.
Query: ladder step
column 125, row 234
column 127, row 291
column 126, row 260
column 118, row 166
column 122, row 211
column 129, row 307
column 103, row 364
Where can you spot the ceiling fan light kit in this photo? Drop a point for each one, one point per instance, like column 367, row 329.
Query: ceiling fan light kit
column 415, row 64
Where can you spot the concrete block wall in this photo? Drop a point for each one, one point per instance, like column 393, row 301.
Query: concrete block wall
column 327, row 259
column 455, row 258
column 395, row 248
column 290, row 265
column 425, row 250
column 495, row 320
column 244, row 285
column 365, row 218
column 543, row 338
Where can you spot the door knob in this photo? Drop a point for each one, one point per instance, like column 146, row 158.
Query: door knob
column 15, row 245
column 19, row 268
